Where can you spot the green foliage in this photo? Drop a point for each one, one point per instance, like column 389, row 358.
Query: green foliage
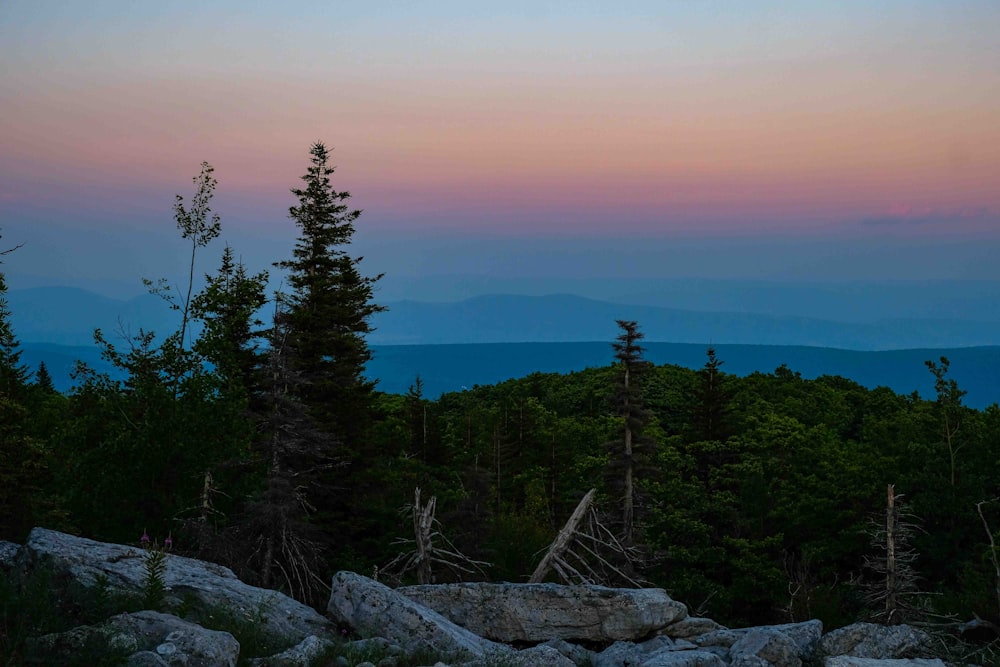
column 153, row 586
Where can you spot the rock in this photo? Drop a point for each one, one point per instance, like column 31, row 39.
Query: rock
column 618, row 655
column 537, row 612
column 851, row 661
column 684, row 659
column 8, row 552
column 540, row 656
column 724, row 638
column 806, row 635
column 654, row 654
column 771, row 646
column 196, row 585
column 868, row 640
column 300, row 655
column 373, row 609
column 692, row 626
column 143, row 637
column 145, row 659
column 579, row 655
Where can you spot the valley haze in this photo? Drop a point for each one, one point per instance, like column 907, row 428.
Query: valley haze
column 486, row 339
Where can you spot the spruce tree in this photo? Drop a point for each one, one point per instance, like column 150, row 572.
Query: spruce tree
column 43, row 379
column 13, row 373
column 330, row 306
column 630, row 452
column 231, row 335
column 710, row 413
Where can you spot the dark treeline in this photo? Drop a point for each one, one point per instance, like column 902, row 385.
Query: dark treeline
column 263, row 447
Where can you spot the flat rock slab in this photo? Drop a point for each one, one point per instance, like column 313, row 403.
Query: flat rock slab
column 196, row 585
column 868, row 640
column 516, row 613
column 374, row 609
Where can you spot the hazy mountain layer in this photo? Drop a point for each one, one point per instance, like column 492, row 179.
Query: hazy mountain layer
column 445, row 368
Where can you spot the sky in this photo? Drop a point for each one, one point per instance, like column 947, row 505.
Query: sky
column 785, row 141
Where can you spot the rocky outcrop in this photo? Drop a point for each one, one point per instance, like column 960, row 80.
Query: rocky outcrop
column 373, row 609
column 618, row 628
column 195, row 585
column 529, row 613
column 144, row 638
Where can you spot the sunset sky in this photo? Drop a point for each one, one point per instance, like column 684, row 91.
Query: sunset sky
column 770, row 140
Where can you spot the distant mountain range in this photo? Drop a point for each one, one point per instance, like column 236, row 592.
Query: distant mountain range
column 445, row 368
column 68, row 316
column 568, row 318
column 486, row 339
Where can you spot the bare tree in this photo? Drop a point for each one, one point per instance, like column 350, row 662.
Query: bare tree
column 426, row 550
column 894, row 598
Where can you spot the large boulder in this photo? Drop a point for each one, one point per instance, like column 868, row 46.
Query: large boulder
column 373, row 609
column 199, row 587
column 771, row 646
column 806, row 635
column 868, row 640
column 143, row 638
column 530, row 613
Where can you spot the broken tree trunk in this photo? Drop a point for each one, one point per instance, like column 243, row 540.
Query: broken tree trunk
column 563, row 540
column 424, row 554
column 423, row 530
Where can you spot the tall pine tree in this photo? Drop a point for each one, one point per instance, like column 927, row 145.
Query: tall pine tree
column 631, row 451
column 330, row 307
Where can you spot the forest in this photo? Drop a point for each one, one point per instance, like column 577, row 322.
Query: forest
column 250, row 436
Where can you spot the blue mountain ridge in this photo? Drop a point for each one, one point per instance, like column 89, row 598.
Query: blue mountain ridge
column 446, row 368
column 486, row 339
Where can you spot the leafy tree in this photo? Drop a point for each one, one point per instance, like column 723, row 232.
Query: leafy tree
column 949, row 405
column 200, row 226
column 330, row 306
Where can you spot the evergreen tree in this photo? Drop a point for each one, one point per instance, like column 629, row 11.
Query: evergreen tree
column 277, row 542
column 23, row 459
column 43, row 380
column 228, row 307
column 711, row 401
column 633, row 447
column 330, row 307
column 13, row 374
